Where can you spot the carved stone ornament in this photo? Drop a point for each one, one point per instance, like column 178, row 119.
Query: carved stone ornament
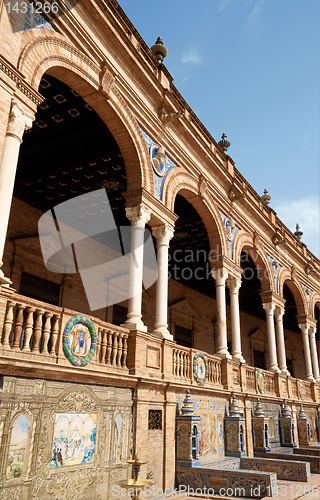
column 256, row 240
column 277, row 240
column 230, row 229
column 19, row 121
column 202, row 186
column 106, row 80
column 163, row 234
column 138, row 216
column 166, row 118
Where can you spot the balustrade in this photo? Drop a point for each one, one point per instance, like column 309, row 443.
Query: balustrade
column 30, row 326
column 251, row 378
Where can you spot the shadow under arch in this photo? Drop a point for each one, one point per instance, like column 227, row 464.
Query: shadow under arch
column 178, row 181
column 246, row 242
column 285, row 278
column 54, row 55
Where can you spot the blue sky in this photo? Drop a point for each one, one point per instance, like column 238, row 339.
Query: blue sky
column 250, row 68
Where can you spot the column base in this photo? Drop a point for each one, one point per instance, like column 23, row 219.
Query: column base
column 274, row 369
column 311, row 379
column 3, row 280
column 224, row 355
column 285, row 371
column 238, row 357
column 135, row 326
column 162, row 333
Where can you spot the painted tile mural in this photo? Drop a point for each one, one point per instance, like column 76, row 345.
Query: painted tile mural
column 74, row 439
column 312, row 414
column 212, row 412
column 272, row 411
column 17, row 447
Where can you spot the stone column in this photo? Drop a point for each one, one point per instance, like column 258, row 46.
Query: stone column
column 19, row 121
column 220, row 276
column 234, row 285
column 278, row 313
column 138, row 217
column 314, row 354
column 307, row 358
column 269, row 308
column 163, row 235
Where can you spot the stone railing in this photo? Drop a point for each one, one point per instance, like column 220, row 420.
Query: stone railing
column 182, row 365
column 31, row 334
column 251, row 379
column 32, row 327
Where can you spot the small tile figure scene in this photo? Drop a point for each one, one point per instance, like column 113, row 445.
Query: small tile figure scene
column 74, row 439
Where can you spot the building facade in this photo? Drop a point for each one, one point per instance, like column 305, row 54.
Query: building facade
column 87, row 109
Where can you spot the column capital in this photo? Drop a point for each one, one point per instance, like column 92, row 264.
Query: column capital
column 269, row 307
column 278, row 313
column 19, row 121
column 234, row 285
column 304, row 327
column 138, row 216
column 273, row 297
column 163, row 234
column 220, row 276
column 312, row 332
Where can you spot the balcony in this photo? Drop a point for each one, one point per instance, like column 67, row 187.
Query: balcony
column 31, row 334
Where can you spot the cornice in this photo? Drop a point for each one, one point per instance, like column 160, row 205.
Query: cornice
column 18, row 79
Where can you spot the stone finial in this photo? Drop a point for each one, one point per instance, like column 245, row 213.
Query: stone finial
column 285, row 411
column 298, row 234
column 224, row 143
column 234, row 408
column 159, row 50
column 187, row 408
column 302, row 413
column 266, row 197
column 259, row 410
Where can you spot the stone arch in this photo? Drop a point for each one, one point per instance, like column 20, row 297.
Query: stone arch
column 315, row 300
column 251, row 244
column 178, row 181
column 52, row 54
column 285, row 277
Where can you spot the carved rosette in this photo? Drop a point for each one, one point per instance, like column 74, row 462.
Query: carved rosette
column 19, row 121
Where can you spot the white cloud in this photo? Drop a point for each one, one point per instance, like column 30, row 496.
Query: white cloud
column 192, row 56
column 305, row 212
column 254, row 14
column 223, row 5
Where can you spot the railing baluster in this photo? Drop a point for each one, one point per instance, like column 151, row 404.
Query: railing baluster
column 37, row 330
column 54, row 334
column 109, row 348
column 18, row 327
column 46, row 332
column 125, row 351
column 99, row 333
column 8, row 324
column 114, row 349
column 28, row 329
column 119, row 354
column 103, row 346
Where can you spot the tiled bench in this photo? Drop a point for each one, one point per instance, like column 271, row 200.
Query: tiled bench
column 307, row 451
column 235, row 482
column 288, row 470
column 314, row 461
